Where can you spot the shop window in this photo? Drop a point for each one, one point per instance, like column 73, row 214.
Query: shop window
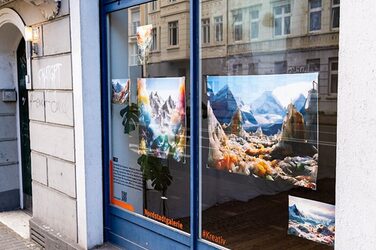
column 315, row 9
column 280, row 67
column 268, row 161
column 173, row 33
column 282, row 20
column 148, row 156
column 218, row 28
column 267, row 153
column 335, row 13
column 253, row 68
column 205, row 26
column 255, row 23
column 238, row 25
column 313, row 65
column 333, row 76
column 237, row 69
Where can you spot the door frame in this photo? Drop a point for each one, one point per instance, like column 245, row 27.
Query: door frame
column 19, row 132
column 9, row 16
column 117, row 220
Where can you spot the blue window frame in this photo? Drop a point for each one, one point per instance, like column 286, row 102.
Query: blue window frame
column 130, row 230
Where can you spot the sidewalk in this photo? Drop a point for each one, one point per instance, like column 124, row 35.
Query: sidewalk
column 9, row 240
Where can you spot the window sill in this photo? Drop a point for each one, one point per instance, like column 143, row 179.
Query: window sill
column 332, row 97
column 175, row 47
column 155, row 52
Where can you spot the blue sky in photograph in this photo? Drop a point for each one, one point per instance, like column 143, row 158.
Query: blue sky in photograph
column 249, row 88
column 313, row 208
column 164, row 86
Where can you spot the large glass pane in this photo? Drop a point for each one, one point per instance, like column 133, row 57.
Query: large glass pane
column 149, row 126
column 268, row 135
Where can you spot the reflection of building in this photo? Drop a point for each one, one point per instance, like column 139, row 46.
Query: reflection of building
column 170, row 47
column 256, row 37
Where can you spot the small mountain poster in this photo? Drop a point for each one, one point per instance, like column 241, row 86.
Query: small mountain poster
column 162, row 121
column 120, row 91
column 265, row 126
column 312, row 220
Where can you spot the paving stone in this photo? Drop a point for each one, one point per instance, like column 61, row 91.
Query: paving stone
column 9, row 240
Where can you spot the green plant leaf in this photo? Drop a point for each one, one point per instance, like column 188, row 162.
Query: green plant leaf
column 155, row 170
column 130, row 117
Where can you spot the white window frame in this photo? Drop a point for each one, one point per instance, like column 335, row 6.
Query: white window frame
column 171, row 27
column 313, row 10
column 333, row 6
column 282, row 16
column 218, row 24
column 135, row 23
column 154, row 5
column 154, row 43
column 253, row 21
column 205, row 27
column 133, row 54
column 237, row 23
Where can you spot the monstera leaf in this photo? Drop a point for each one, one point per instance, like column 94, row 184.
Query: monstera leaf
column 153, row 169
column 130, row 117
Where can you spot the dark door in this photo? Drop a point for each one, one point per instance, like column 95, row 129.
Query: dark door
column 24, row 125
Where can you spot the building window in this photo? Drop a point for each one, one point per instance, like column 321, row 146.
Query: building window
column 238, row 25
column 237, row 69
column 333, row 76
column 135, row 21
column 335, row 13
column 313, row 65
column 133, row 58
column 280, row 67
column 255, row 23
column 154, row 44
column 205, row 30
column 172, row 1
column 315, row 9
column 282, row 20
column 173, row 33
column 253, row 68
column 154, row 5
column 218, row 28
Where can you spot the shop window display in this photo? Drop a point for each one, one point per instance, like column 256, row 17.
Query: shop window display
column 269, row 134
column 269, row 77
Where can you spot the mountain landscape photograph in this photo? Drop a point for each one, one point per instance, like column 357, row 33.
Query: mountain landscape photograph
column 312, row 220
column 120, row 91
column 265, row 126
column 162, row 126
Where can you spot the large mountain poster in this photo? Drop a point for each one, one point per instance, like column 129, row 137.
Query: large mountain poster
column 265, row 126
column 161, row 103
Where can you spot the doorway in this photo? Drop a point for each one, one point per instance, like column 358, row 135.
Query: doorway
column 24, row 126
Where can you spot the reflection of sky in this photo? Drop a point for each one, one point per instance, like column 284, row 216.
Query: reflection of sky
column 249, row 88
column 315, row 208
column 165, row 87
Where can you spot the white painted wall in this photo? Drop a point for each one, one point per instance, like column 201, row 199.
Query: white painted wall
column 87, row 115
column 356, row 171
